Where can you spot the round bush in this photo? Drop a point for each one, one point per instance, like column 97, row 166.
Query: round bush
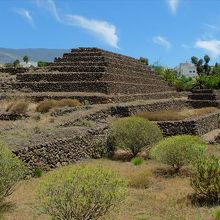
column 12, row 170
column 81, row 193
column 205, row 179
column 178, row 151
column 133, row 133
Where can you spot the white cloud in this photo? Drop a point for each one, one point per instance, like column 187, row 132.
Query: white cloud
column 25, row 14
column 103, row 29
column 173, row 4
column 50, row 6
column 211, row 27
column 162, row 42
column 211, row 46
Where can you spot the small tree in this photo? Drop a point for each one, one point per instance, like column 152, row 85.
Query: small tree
column 16, row 63
column 144, row 60
column 198, row 63
column 194, row 60
column 178, row 151
column 11, row 171
column 25, row 59
column 81, row 193
column 133, row 133
column 206, row 66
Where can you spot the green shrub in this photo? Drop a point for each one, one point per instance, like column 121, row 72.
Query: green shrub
column 216, row 215
column 100, row 145
column 179, row 150
column 137, row 161
column 184, row 83
column 42, row 63
column 140, row 180
column 133, row 133
column 38, row 172
column 210, row 82
column 12, row 170
column 206, row 179
column 81, row 193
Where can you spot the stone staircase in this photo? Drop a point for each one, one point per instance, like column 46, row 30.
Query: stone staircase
column 89, row 72
column 204, row 98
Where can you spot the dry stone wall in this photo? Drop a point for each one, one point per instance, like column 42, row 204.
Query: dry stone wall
column 194, row 126
column 60, row 152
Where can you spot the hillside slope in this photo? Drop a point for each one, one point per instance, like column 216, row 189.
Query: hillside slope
column 9, row 55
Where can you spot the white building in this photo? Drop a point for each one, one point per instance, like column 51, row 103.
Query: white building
column 187, row 69
column 30, row 63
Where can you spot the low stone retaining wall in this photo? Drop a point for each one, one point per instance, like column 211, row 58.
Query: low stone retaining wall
column 59, row 152
column 128, row 110
column 194, row 126
column 13, row 70
column 11, row 116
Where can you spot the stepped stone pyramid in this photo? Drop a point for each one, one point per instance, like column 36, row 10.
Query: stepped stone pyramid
column 204, row 97
column 95, row 75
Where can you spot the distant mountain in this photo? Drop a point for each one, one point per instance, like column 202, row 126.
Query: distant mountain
column 10, row 55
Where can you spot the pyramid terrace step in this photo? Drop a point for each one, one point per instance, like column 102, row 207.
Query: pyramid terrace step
column 203, row 103
column 96, row 50
column 80, row 59
column 102, row 64
column 95, row 98
column 126, row 71
column 80, row 63
column 76, row 68
column 203, row 96
column 91, row 86
column 202, row 91
column 102, row 53
column 106, row 57
column 99, row 76
column 76, row 54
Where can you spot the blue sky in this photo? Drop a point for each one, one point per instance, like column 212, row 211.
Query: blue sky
column 165, row 31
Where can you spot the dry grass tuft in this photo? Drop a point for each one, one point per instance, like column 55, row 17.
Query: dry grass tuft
column 47, row 105
column 18, row 107
column 140, row 179
column 176, row 115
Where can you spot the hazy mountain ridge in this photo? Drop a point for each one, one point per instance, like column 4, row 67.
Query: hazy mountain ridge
column 8, row 55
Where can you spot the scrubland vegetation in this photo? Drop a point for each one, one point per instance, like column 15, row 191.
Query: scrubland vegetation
column 177, row 179
column 47, row 105
column 208, row 77
column 22, row 106
column 175, row 115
